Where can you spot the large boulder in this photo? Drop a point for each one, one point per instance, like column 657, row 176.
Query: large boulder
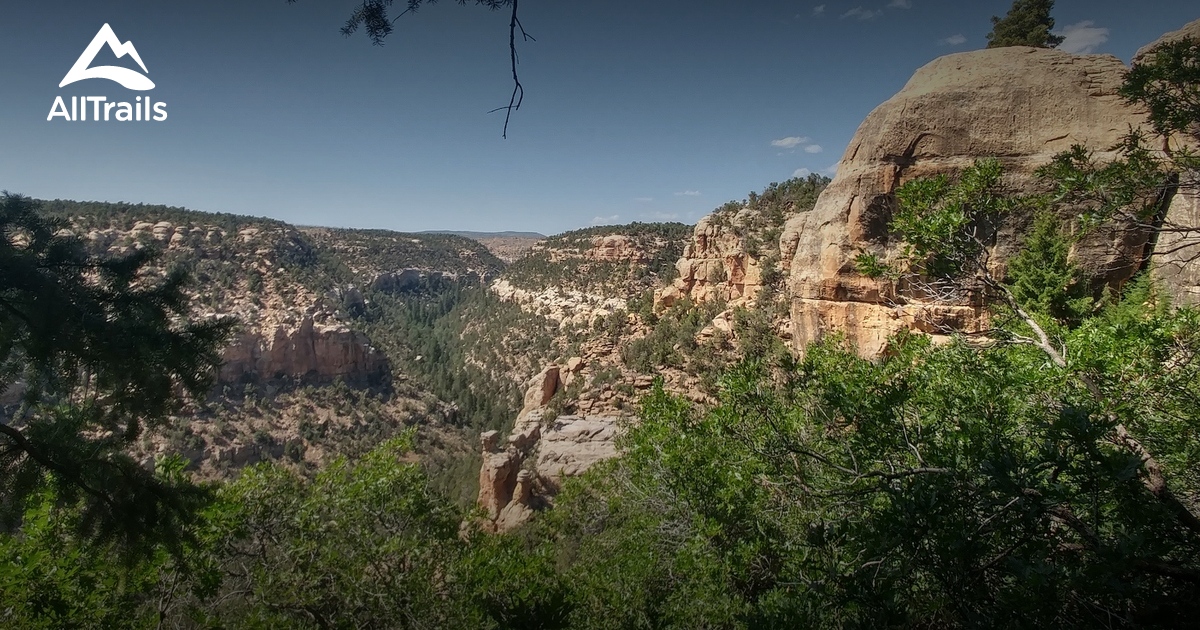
column 1021, row 105
column 1190, row 30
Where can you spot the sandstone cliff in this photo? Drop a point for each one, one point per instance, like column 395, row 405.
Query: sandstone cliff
column 1177, row 266
column 1022, row 105
column 734, row 252
column 579, row 276
column 287, row 329
column 301, row 380
column 522, row 473
column 715, row 266
column 305, row 351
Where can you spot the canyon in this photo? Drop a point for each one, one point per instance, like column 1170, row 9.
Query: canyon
column 518, row 367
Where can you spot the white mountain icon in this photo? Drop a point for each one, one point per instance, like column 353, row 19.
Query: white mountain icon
column 126, row 77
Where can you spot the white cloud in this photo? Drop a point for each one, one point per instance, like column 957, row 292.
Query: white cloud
column 819, row 9
column 802, row 172
column 813, row 148
column 605, row 220
column 790, row 142
column 1082, row 38
column 688, row 193
column 954, row 40
column 661, row 216
column 862, row 14
column 900, row 4
column 832, row 170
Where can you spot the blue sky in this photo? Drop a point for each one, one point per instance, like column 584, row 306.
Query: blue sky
column 635, row 110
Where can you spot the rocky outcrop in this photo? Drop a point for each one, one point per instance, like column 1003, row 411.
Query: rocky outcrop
column 520, row 507
column 398, row 281
column 497, row 475
column 570, row 445
column 616, row 248
column 1190, row 30
column 246, row 454
column 1177, row 267
column 407, row 280
column 308, row 351
column 715, row 266
column 565, row 306
column 1021, row 105
column 521, row 474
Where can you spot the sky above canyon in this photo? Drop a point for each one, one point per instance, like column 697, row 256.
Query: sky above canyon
column 634, row 110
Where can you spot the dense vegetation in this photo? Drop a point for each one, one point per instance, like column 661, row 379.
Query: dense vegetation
column 1027, row 23
column 1044, row 475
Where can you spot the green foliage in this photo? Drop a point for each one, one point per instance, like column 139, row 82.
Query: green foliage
column 1044, row 280
column 1131, row 188
column 1168, row 84
column 943, row 487
column 756, row 336
column 653, row 556
column 672, row 341
column 368, row 533
column 50, row 579
column 759, row 219
column 871, row 265
column 103, row 350
column 1027, row 23
column 945, row 223
column 443, row 339
column 1136, row 187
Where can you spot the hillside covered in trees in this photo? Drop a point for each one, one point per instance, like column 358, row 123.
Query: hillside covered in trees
column 956, row 389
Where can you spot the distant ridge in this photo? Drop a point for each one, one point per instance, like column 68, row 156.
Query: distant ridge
column 478, row 235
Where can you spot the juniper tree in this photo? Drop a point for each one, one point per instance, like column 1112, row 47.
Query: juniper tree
column 95, row 350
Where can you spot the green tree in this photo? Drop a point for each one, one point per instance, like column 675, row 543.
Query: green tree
column 1027, row 23
column 99, row 349
column 1168, row 84
column 1044, row 279
column 1135, row 191
column 944, row 486
column 366, row 543
column 50, row 579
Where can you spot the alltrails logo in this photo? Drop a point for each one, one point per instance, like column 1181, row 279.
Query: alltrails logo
column 101, row 108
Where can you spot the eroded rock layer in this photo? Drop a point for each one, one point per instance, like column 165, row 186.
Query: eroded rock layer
column 1021, row 105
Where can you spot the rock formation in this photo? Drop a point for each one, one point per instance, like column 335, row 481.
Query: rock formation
column 1190, row 30
column 715, row 266
column 308, row 351
column 616, row 248
column 522, row 473
column 566, row 306
column 1021, row 105
column 1178, row 266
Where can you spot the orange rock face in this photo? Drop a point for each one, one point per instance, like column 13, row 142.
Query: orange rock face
column 522, row 472
column 715, row 266
column 616, row 248
column 306, row 351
